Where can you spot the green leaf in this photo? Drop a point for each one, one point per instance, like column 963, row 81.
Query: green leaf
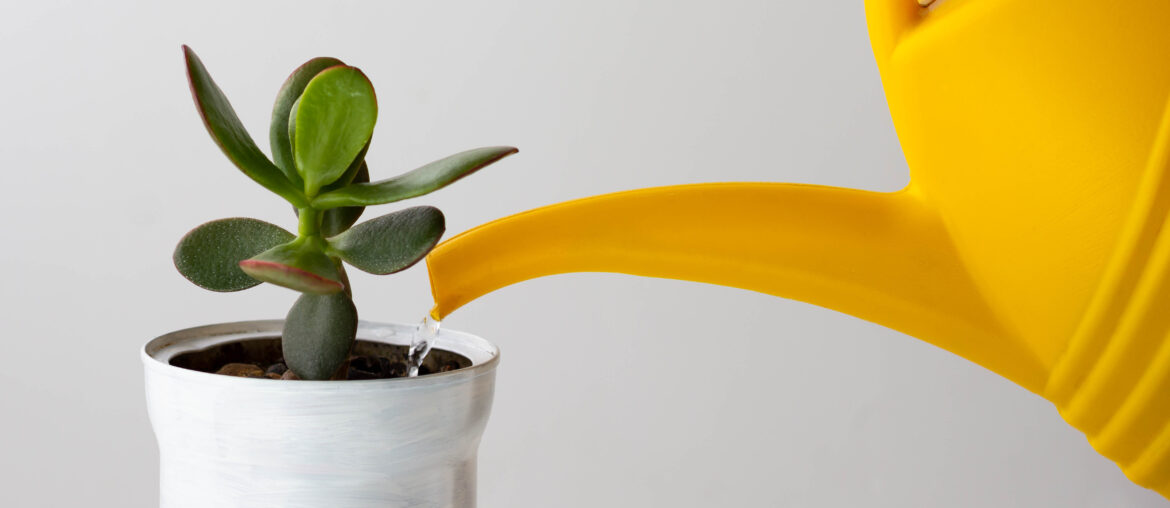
column 209, row 255
column 428, row 178
column 278, row 132
column 300, row 265
column 351, row 172
column 334, row 119
column 318, row 334
column 392, row 242
column 336, row 220
column 227, row 132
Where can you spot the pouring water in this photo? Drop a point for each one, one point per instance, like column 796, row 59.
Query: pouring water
column 420, row 344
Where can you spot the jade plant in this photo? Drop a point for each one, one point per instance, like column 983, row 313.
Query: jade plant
column 321, row 128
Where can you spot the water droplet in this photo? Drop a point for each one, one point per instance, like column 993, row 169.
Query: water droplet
column 420, row 344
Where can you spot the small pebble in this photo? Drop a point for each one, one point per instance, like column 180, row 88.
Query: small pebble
column 277, row 368
column 272, row 375
column 288, row 374
column 449, row 366
column 241, row 370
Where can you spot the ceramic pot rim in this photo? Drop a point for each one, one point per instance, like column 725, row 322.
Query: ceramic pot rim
column 157, row 353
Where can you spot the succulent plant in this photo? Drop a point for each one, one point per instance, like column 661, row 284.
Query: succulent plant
column 321, row 127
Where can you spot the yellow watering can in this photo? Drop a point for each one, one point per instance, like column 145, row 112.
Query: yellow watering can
column 1032, row 239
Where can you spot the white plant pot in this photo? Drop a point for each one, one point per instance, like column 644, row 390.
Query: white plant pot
column 239, row 442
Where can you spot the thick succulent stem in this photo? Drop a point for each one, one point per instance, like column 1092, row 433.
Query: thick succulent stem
column 309, row 222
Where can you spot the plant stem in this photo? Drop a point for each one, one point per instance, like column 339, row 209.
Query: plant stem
column 310, row 222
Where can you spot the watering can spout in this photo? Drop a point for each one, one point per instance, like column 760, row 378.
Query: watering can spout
column 884, row 257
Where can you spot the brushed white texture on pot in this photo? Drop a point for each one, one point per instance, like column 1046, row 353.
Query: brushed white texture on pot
column 227, row 441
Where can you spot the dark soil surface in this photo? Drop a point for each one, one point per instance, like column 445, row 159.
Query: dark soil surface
column 261, row 358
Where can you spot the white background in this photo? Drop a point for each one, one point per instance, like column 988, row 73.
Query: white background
column 614, row 390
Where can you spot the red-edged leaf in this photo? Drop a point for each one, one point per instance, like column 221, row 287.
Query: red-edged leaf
column 299, row 265
column 333, row 122
column 428, row 178
column 278, row 135
column 227, row 132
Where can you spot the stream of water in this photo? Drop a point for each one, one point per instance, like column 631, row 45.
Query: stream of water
column 420, row 344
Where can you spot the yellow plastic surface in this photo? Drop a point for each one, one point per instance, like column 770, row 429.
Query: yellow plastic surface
column 1032, row 239
column 881, row 257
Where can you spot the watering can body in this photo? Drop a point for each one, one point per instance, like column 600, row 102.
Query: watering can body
column 1031, row 239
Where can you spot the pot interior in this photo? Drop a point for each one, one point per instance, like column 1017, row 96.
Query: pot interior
column 266, row 350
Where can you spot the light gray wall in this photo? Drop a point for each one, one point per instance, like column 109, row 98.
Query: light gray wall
column 614, row 390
